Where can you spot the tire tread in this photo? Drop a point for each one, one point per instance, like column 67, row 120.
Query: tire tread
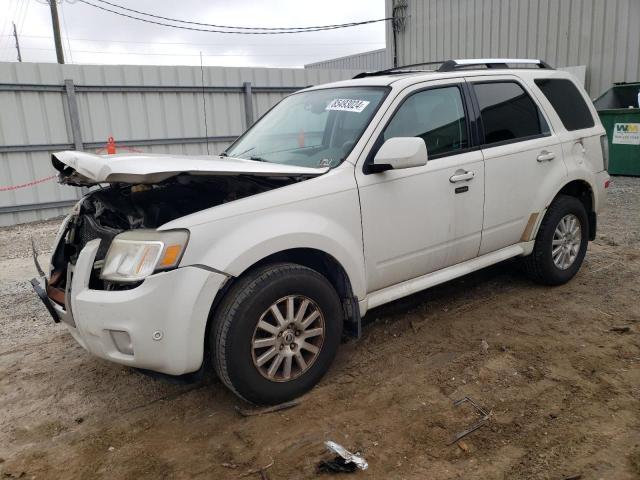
column 533, row 264
column 238, row 293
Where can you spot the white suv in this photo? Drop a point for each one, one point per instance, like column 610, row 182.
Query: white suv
column 341, row 198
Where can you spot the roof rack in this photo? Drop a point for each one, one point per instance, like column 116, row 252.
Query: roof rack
column 398, row 70
column 451, row 65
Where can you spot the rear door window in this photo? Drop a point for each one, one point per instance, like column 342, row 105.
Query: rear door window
column 567, row 101
column 508, row 113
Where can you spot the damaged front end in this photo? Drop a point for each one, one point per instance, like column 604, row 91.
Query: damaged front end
column 129, row 195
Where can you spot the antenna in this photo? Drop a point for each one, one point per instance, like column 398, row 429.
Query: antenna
column 204, row 105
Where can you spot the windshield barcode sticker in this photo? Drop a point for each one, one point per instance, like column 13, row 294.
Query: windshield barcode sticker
column 347, row 105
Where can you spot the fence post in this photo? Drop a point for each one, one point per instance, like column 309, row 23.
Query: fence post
column 248, row 104
column 74, row 116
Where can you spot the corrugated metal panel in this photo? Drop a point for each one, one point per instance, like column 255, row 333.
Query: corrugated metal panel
column 603, row 35
column 367, row 61
column 42, row 118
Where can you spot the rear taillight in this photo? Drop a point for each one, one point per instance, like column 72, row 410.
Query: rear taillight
column 604, row 144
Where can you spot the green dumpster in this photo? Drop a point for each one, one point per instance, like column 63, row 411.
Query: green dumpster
column 620, row 115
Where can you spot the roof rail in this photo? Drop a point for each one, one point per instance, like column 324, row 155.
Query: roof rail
column 398, row 70
column 451, row 65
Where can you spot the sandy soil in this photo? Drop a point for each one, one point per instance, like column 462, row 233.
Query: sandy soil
column 563, row 390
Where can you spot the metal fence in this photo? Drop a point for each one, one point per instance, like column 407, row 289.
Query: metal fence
column 184, row 110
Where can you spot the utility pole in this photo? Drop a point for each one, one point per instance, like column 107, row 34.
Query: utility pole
column 398, row 14
column 15, row 34
column 56, row 30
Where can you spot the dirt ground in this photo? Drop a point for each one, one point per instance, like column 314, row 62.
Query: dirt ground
column 563, row 390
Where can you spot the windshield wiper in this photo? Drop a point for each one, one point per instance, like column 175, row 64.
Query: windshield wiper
column 239, row 155
column 259, row 159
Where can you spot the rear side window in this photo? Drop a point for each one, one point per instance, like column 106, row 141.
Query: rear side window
column 508, row 113
column 435, row 115
column 567, row 101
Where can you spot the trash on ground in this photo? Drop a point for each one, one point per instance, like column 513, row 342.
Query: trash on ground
column 577, row 476
column 484, row 346
column 261, row 470
column 480, row 423
column 344, row 462
column 463, row 446
column 260, row 411
column 620, row 328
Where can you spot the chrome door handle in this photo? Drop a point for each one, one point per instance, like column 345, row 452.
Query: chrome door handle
column 462, row 177
column 546, row 156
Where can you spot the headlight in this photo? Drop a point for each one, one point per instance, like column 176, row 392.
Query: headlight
column 136, row 254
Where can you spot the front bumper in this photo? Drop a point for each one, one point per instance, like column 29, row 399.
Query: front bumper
column 165, row 317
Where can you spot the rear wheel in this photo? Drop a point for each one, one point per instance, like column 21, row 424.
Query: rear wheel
column 561, row 243
column 276, row 333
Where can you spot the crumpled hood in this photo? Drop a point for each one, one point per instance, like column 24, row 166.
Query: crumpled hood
column 85, row 169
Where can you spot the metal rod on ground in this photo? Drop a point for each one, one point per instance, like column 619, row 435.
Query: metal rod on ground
column 15, row 35
column 55, row 22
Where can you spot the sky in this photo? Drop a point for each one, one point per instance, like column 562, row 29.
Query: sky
column 93, row 36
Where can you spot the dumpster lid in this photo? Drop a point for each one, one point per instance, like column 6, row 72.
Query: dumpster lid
column 621, row 96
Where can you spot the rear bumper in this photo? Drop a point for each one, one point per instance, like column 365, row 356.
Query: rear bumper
column 165, row 317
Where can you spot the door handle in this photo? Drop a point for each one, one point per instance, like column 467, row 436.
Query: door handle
column 546, row 156
column 462, row 177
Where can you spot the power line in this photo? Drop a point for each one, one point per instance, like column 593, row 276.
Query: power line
column 66, row 30
column 7, row 23
column 107, row 40
column 182, row 27
column 339, row 25
column 174, row 54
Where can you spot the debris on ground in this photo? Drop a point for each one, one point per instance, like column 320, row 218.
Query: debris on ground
column 261, row 411
column 344, row 462
column 577, row 476
column 261, row 470
column 620, row 328
column 463, row 446
column 480, row 423
column 484, row 346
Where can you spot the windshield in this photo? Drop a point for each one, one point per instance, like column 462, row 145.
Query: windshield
column 311, row 129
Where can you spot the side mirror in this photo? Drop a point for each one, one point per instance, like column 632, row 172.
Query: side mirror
column 400, row 152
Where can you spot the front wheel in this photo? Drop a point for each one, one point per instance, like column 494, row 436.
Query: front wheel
column 276, row 333
column 561, row 243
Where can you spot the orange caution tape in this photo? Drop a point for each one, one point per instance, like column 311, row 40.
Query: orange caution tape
column 25, row 185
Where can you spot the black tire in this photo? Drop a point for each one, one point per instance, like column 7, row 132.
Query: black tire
column 540, row 266
column 235, row 323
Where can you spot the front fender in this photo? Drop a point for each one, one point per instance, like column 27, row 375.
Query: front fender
column 330, row 224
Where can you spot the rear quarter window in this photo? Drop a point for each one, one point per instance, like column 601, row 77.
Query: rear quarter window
column 567, row 101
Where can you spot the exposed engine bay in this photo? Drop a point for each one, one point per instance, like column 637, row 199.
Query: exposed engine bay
column 109, row 211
